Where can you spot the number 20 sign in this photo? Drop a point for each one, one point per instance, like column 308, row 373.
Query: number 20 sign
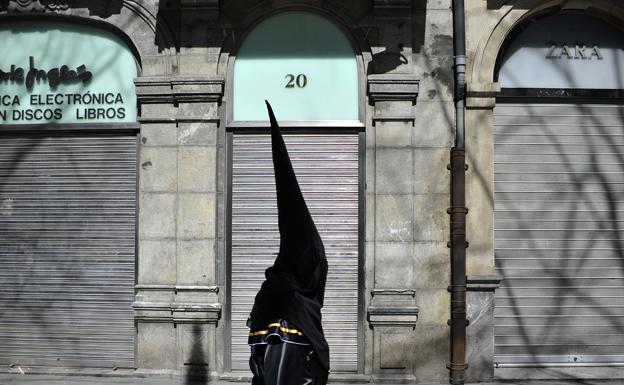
column 296, row 81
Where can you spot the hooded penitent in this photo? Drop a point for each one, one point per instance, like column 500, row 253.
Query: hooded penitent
column 295, row 285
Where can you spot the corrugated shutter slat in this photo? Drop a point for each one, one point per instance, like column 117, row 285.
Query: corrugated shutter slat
column 67, row 249
column 327, row 171
column 559, row 231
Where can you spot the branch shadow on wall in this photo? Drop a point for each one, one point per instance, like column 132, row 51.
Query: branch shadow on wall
column 559, row 240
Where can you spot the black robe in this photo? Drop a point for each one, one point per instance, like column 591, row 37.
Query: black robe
column 294, row 288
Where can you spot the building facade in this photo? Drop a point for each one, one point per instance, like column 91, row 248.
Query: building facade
column 139, row 207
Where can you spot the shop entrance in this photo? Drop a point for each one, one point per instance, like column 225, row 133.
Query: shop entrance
column 306, row 68
column 68, row 187
column 67, row 249
column 559, row 182
column 328, row 173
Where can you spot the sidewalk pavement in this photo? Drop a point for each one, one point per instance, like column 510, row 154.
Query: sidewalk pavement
column 41, row 379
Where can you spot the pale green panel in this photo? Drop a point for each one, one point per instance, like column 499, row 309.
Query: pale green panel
column 286, row 48
column 52, row 45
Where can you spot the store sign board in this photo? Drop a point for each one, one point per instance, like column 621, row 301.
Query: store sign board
column 303, row 64
column 572, row 51
column 59, row 73
column 575, row 52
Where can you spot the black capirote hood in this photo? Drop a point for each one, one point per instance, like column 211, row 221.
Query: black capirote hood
column 294, row 288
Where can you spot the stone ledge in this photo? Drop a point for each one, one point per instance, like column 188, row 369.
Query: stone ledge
column 209, row 5
column 180, row 119
column 482, row 95
column 176, row 288
column 400, row 292
column 179, row 89
column 392, row 8
column 394, row 379
column 483, row 282
column 393, row 87
column 176, row 312
column 393, row 307
column 394, row 118
column 486, row 90
column 393, row 316
column 192, row 313
column 176, row 294
column 212, row 289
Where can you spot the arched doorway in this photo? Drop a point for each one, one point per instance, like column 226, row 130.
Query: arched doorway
column 68, row 185
column 558, row 181
column 306, row 67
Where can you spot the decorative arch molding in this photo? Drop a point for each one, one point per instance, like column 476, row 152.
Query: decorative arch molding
column 486, row 55
column 159, row 26
column 262, row 10
column 19, row 6
column 355, row 30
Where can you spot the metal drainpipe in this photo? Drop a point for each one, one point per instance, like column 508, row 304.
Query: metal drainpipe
column 458, row 210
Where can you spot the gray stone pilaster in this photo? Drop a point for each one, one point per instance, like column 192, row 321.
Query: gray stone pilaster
column 177, row 305
column 392, row 315
column 392, row 309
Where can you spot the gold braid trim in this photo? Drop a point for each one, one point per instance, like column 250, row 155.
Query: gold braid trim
column 285, row 330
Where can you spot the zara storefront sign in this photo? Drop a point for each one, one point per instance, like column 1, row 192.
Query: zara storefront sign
column 577, row 51
column 92, row 83
column 581, row 52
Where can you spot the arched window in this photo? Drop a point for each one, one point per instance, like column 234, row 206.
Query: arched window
column 567, row 50
column 303, row 64
column 68, row 188
column 65, row 73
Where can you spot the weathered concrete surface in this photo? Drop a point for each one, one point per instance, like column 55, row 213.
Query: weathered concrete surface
column 408, row 194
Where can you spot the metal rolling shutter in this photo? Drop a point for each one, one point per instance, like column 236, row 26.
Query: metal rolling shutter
column 67, row 249
column 559, row 234
column 327, row 170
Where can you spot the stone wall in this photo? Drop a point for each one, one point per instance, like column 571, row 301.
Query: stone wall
column 407, row 195
column 405, row 47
